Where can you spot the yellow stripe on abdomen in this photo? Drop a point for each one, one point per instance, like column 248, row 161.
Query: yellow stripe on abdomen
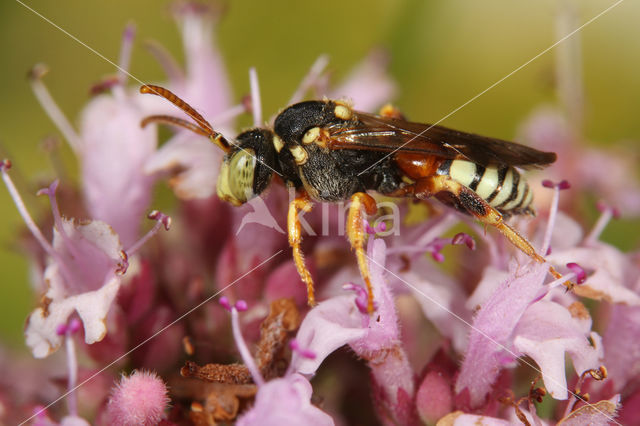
column 502, row 187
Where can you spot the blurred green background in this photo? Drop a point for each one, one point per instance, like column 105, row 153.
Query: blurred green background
column 442, row 54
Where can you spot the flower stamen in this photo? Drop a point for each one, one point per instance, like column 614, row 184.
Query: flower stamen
column 51, row 108
column 305, row 353
column 161, row 220
column 249, row 362
column 553, row 210
column 607, row 213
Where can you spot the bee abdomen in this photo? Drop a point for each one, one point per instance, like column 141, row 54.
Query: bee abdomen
column 502, row 187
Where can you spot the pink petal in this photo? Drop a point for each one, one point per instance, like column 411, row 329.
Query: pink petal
column 492, row 329
column 610, row 268
column 546, row 332
column 329, row 326
column 113, row 152
column 92, row 308
column 285, row 401
column 595, row 414
column 622, row 354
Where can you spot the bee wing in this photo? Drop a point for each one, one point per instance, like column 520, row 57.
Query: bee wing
column 372, row 132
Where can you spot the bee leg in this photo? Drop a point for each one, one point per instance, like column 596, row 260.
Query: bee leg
column 357, row 236
column 295, row 239
column 476, row 206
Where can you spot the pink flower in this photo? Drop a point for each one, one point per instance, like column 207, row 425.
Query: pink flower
column 83, row 274
column 285, row 401
column 490, row 347
column 376, row 338
column 192, row 159
column 547, row 331
column 279, row 401
column 112, row 150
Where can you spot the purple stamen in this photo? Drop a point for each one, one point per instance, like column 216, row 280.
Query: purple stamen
column 161, row 220
column 382, row 226
column 466, row 239
column 241, row 306
column 70, row 328
column 437, row 256
column 242, row 346
column 224, row 301
column 61, row 330
column 160, row 217
column 368, row 228
column 581, row 275
column 562, row 185
column 75, row 325
column 305, row 353
column 372, row 230
column 361, row 297
column 604, row 207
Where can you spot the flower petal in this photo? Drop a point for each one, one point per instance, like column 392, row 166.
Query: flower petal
column 92, row 308
column 492, row 329
column 285, row 401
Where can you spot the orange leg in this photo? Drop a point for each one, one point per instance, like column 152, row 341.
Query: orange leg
column 357, row 236
column 295, row 239
column 477, row 207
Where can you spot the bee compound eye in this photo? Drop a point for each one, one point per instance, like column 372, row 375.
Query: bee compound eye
column 242, row 168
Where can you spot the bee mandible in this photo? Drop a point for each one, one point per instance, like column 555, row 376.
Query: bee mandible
column 329, row 152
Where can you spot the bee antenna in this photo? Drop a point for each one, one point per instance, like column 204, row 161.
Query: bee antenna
column 202, row 128
column 174, row 121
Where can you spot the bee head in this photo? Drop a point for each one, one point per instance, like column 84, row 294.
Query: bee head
column 247, row 168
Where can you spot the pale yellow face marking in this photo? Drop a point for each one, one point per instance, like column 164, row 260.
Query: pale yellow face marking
column 311, row 135
column 299, row 154
column 343, row 112
column 277, row 143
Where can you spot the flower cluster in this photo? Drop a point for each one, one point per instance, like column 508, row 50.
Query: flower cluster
column 464, row 330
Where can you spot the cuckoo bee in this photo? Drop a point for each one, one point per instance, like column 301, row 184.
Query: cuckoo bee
column 331, row 153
